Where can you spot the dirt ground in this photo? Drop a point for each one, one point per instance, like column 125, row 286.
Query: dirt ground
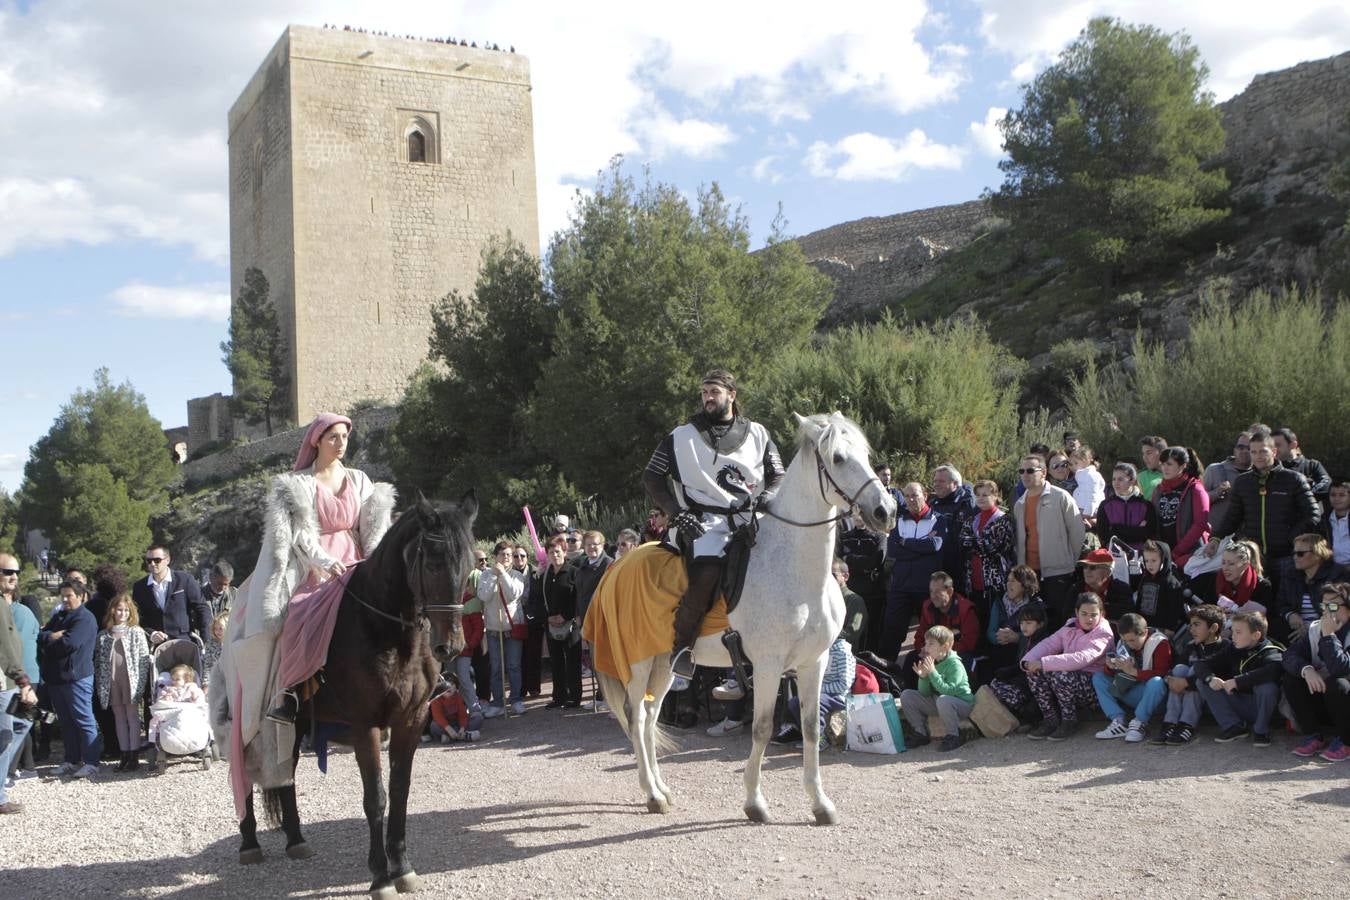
column 548, row 805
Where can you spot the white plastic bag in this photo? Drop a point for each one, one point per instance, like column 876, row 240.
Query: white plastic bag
column 1200, row 564
column 1127, row 561
column 874, row 724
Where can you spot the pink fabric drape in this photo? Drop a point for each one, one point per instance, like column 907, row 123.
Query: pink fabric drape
column 309, row 447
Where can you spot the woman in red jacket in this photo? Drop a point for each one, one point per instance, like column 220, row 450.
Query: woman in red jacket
column 1182, row 504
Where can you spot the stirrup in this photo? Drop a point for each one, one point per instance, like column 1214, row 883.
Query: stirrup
column 731, row 639
column 682, row 663
column 285, row 712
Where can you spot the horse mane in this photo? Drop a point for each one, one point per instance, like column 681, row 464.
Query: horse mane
column 826, row 431
column 386, row 562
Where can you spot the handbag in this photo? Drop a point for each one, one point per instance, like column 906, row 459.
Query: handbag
column 1126, row 561
column 874, row 724
column 991, row 716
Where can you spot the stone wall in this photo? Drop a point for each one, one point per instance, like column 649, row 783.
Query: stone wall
column 364, row 242
column 875, row 259
column 209, row 421
column 369, row 427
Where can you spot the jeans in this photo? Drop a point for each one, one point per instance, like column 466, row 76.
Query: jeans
column 12, row 733
column 1143, row 698
column 73, row 703
column 495, row 641
column 467, row 688
column 918, row 707
column 1232, row 709
column 1185, row 707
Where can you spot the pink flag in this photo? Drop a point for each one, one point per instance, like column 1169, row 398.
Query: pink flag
column 539, row 555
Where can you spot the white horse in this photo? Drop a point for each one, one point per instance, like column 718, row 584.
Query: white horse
column 790, row 610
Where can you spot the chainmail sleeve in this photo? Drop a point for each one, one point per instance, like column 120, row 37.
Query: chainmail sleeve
column 661, row 468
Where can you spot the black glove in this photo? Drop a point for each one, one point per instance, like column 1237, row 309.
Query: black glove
column 763, row 500
column 689, row 527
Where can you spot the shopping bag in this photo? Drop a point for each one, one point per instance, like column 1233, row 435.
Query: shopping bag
column 1126, row 561
column 874, row 724
column 991, row 716
column 1199, row 564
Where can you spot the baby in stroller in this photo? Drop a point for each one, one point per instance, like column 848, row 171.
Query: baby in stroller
column 176, row 688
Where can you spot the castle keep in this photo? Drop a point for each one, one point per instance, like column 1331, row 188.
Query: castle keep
column 366, row 175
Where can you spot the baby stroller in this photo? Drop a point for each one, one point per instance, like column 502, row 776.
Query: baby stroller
column 184, row 732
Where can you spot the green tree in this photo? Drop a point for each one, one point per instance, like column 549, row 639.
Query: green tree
column 255, row 354
column 1107, row 154
column 100, row 522
column 651, row 293
column 1274, row 358
column 109, row 426
column 9, row 524
column 923, row 395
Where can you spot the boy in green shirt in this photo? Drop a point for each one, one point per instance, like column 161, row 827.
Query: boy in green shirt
column 944, row 690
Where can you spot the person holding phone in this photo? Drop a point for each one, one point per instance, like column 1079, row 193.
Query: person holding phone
column 1317, row 678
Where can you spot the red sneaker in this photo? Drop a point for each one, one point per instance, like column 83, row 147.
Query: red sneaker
column 1311, row 746
column 1336, row 752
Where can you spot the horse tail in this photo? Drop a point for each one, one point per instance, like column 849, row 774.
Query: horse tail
column 617, row 693
column 272, row 806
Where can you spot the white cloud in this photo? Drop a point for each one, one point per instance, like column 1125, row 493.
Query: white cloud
column 868, row 157
column 763, row 170
column 186, row 301
column 985, row 135
column 664, row 135
column 12, row 462
column 1238, row 39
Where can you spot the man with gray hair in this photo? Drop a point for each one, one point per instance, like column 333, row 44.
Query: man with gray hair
column 954, row 502
column 220, row 590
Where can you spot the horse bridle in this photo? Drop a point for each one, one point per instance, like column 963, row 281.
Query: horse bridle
column 822, row 476
column 422, row 618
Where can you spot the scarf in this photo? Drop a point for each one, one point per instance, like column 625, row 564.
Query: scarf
column 1239, row 593
column 984, row 517
column 309, row 447
column 1168, row 485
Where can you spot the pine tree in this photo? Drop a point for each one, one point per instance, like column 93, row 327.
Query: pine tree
column 255, row 354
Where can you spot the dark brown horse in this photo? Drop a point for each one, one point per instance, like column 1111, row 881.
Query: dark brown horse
column 399, row 619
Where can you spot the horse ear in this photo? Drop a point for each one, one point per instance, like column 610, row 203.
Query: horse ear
column 801, row 420
column 425, row 511
column 468, row 504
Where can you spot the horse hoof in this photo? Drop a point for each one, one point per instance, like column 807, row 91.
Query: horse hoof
column 658, row 805
column 670, row 798
column 827, row 816
column 757, row 814
column 387, row 892
column 408, row 883
column 300, row 851
column 250, row 857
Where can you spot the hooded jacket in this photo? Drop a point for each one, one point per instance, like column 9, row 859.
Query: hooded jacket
column 1162, row 598
column 1071, row 649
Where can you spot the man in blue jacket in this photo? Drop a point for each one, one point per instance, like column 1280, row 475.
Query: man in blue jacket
column 67, row 645
column 169, row 603
column 913, row 554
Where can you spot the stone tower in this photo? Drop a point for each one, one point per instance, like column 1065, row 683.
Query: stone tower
column 366, row 176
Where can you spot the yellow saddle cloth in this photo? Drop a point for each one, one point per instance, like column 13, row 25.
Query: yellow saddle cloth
column 632, row 615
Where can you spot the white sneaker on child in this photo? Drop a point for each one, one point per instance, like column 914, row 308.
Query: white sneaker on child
column 725, row 727
column 1135, row 734
column 85, row 771
column 1115, row 730
column 728, row 690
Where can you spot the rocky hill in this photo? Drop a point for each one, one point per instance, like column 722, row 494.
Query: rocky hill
column 1286, row 133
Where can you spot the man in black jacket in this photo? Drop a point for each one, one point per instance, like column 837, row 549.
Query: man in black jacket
column 169, row 603
column 1291, row 457
column 1270, row 505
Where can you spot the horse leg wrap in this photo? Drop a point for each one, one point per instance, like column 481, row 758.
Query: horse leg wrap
column 731, row 639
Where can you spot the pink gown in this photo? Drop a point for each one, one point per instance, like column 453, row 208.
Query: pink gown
column 313, row 609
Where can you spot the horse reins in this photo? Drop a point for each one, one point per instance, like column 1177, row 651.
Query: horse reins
column 423, row 608
column 823, row 475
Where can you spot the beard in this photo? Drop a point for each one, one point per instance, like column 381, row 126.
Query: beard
column 720, row 412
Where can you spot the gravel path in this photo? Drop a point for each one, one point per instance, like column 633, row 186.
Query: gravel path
column 548, row 805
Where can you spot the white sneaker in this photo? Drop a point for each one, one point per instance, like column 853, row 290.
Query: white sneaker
column 725, row 727
column 65, row 769
column 427, row 739
column 445, row 738
column 9, row 782
column 1135, row 734
column 25, row 774
column 1115, row 730
column 492, row 712
column 472, row 735
column 601, row 706
column 518, row 707
column 728, row 690
column 85, row 771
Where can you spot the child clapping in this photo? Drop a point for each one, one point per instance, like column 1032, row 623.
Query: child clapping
column 944, row 690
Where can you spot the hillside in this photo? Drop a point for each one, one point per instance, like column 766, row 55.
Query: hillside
column 1284, row 136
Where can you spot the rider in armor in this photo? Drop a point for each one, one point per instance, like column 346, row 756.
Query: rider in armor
column 708, row 475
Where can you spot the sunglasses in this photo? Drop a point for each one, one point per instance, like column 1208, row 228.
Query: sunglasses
column 479, row 560
column 9, row 571
column 1059, row 465
column 1302, row 552
column 1331, row 606
column 1027, row 471
column 154, row 560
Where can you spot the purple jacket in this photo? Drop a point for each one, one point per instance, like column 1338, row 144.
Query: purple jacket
column 1071, row 649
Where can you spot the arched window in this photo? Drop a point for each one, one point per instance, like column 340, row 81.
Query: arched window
column 417, row 147
column 419, row 144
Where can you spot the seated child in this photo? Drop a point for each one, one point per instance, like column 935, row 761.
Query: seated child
column 835, row 686
column 944, row 690
column 1010, row 682
column 1317, row 678
column 1003, row 634
column 1203, row 638
column 1059, row 669
column 1241, row 685
column 1160, row 598
column 1133, row 678
column 949, row 609
column 450, row 719
column 178, row 685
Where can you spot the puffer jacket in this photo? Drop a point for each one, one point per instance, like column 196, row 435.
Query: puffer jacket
column 1270, row 508
column 1071, row 649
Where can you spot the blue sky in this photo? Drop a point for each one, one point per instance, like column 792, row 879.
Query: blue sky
column 113, row 205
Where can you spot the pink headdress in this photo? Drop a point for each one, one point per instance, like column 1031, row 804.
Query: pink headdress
column 309, row 447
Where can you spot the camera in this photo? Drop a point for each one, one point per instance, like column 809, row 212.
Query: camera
column 20, row 710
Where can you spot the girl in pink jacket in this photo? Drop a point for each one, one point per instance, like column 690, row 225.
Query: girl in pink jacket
column 1060, row 668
